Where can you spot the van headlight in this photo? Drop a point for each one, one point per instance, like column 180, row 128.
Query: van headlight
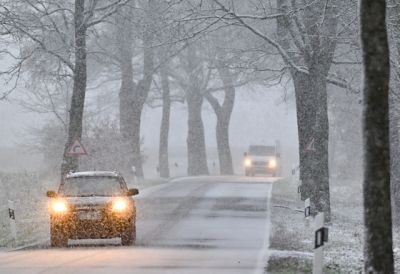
column 272, row 163
column 247, row 163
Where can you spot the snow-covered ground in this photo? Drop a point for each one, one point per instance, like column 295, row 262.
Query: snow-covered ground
column 292, row 237
column 190, row 225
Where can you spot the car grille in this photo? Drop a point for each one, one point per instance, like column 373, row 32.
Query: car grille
column 89, row 211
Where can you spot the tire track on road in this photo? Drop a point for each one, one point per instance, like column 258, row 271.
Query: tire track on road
column 185, row 204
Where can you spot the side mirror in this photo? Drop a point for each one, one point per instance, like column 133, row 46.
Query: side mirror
column 132, row 192
column 51, row 194
column 245, row 154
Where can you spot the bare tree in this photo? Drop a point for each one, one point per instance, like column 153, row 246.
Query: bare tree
column 83, row 19
column 306, row 40
column 34, row 21
column 377, row 205
column 133, row 95
column 223, row 112
column 314, row 48
column 222, row 60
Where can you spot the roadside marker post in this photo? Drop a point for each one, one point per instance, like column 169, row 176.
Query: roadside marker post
column 11, row 214
column 321, row 236
column 299, row 186
column 307, row 208
column 307, row 212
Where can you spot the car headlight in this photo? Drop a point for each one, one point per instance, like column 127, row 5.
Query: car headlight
column 119, row 205
column 247, row 162
column 59, row 206
column 272, row 163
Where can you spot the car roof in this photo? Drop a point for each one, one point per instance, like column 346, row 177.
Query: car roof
column 92, row 174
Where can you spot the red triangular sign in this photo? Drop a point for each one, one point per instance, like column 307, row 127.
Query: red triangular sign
column 311, row 145
column 76, row 149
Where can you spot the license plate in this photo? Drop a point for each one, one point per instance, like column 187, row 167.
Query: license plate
column 89, row 215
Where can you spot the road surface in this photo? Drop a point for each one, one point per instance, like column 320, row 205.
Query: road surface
column 190, row 225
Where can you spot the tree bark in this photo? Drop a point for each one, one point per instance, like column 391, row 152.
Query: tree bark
column 79, row 88
column 196, row 145
column 377, row 200
column 305, row 113
column 394, row 121
column 321, row 195
column 394, row 106
column 197, row 156
column 164, row 129
column 223, row 147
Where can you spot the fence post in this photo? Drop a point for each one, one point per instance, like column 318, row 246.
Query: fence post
column 321, row 236
column 13, row 227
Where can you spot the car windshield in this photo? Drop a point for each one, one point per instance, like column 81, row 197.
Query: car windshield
column 262, row 150
column 91, row 186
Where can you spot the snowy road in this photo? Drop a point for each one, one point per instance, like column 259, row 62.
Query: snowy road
column 191, row 225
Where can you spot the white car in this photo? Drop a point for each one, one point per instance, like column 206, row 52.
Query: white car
column 262, row 159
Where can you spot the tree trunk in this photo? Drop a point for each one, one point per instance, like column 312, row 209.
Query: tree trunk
column 136, row 120
column 197, row 157
column 395, row 160
column 196, row 147
column 394, row 106
column 223, row 113
column 130, row 121
column 79, row 88
column 313, row 131
column 305, row 104
column 126, row 129
column 164, row 130
column 305, row 113
column 311, row 94
column 321, row 195
column 377, row 200
column 126, row 95
column 224, row 150
column 133, row 96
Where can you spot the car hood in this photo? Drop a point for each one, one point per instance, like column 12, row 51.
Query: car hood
column 261, row 158
column 93, row 200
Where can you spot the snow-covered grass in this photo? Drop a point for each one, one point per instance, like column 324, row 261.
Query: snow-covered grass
column 292, row 236
column 26, row 191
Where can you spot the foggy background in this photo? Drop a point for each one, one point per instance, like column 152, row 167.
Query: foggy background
column 260, row 116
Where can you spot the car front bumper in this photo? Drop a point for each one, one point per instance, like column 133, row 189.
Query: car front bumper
column 107, row 226
column 260, row 170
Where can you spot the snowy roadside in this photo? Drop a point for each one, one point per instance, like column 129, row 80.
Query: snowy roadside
column 291, row 243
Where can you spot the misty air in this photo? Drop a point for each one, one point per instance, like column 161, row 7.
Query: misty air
column 200, row 136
